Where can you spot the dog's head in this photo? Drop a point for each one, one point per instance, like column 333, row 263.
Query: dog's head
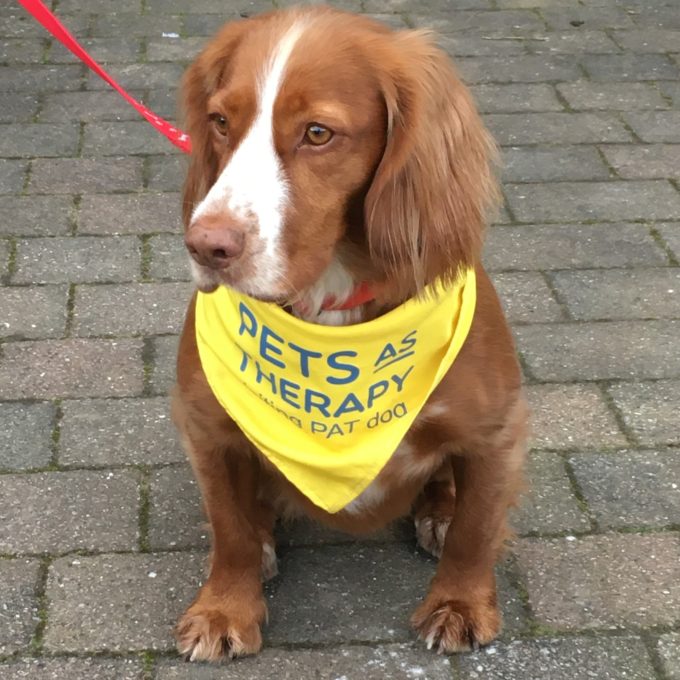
column 321, row 139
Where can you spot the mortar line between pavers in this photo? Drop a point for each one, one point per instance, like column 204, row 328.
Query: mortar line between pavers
column 557, row 295
column 36, row 644
column 663, row 244
column 636, row 138
column 144, row 508
column 55, row 438
column 654, row 656
column 617, row 413
column 11, row 261
column 578, row 494
column 70, row 311
column 148, row 362
column 613, row 172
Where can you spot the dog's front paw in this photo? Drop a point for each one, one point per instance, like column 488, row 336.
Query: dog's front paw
column 211, row 630
column 456, row 625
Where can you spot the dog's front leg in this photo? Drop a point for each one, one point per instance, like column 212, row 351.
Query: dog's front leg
column 461, row 611
column 224, row 619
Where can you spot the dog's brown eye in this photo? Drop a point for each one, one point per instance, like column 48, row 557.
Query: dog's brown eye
column 318, row 135
column 220, row 123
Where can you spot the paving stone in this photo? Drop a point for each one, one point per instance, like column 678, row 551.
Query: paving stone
column 38, row 139
column 174, row 49
column 669, row 651
column 62, row 511
column 12, row 175
column 603, row 581
column 85, row 175
column 86, row 106
column 518, row 69
column 138, row 76
column 435, row 5
column 591, row 17
column 162, row 378
column 471, row 45
column 41, row 78
column 164, row 101
column 114, row 139
column 632, row 488
column 629, row 67
column 607, row 96
column 539, row 164
column 649, row 40
column 656, row 126
column 77, row 259
column 18, row 583
column 98, row 6
column 207, row 25
column 549, row 506
column 20, row 107
column 555, row 128
column 577, row 42
column 118, row 602
column 4, row 261
column 47, row 317
column 99, row 432
column 571, row 417
column 44, row 369
column 104, row 50
column 651, row 16
column 131, row 309
column 626, row 350
column 506, row 22
column 397, row 662
column 644, row 161
column 36, row 215
column 571, row 247
column 355, row 592
column 670, row 233
column 526, row 298
column 20, row 24
column 26, row 435
column 608, row 201
column 21, row 51
column 176, row 517
column 134, row 25
column 576, row 658
column 620, row 293
column 209, row 6
column 129, row 213
column 671, row 90
column 63, row 668
column 166, row 173
column 519, row 97
column 649, row 410
column 169, row 258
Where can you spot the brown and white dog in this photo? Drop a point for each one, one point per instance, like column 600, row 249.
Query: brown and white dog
column 333, row 155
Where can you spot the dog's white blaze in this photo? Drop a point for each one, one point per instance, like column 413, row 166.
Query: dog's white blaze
column 253, row 187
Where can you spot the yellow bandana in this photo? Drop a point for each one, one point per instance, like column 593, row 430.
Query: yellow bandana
column 329, row 405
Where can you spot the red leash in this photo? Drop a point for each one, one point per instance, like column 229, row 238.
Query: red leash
column 45, row 17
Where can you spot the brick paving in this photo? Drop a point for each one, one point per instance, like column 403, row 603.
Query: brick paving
column 102, row 541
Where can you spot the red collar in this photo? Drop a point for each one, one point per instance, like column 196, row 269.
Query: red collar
column 361, row 294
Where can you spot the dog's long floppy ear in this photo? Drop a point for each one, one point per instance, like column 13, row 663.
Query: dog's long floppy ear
column 200, row 81
column 426, row 208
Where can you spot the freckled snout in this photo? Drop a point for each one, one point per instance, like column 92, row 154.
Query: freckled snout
column 215, row 242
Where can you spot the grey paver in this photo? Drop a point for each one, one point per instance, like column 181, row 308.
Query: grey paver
column 526, row 298
column 44, row 369
column 73, row 669
column 62, row 511
column 86, row 106
column 166, row 173
column 118, row 432
column 601, row 350
column 18, row 584
column 36, row 215
column 86, row 175
column 516, row 97
column 125, row 138
column 26, row 435
column 655, row 126
column 670, row 233
column 33, row 78
column 19, row 107
column 47, row 317
column 461, row 44
column 104, row 50
column 397, row 662
column 77, row 259
column 174, row 49
column 130, row 309
column 505, row 22
column 671, row 90
column 12, row 175
column 650, row 410
column 669, row 651
column 132, row 24
column 162, row 375
column 614, row 201
column 632, row 488
column 518, row 69
column 137, row 76
column 556, row 128
column 607, row 96
column 576, row 658
column 118, row 602
column 630, row 67
column 4, row 257
column 603, row 581
column 591, row 17
column 572, row 246
column 576, row 42
column 18, row 23
column 644, row 162
column 550, row 505
column 537, row 164
column 129, row 213
column 571, row 416
column 17, row 50
column 169, row 258
column 650, row 40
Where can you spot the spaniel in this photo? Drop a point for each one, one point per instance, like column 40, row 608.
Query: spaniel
column 339, row 174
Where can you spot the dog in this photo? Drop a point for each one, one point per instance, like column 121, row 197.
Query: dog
column 340, row 177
